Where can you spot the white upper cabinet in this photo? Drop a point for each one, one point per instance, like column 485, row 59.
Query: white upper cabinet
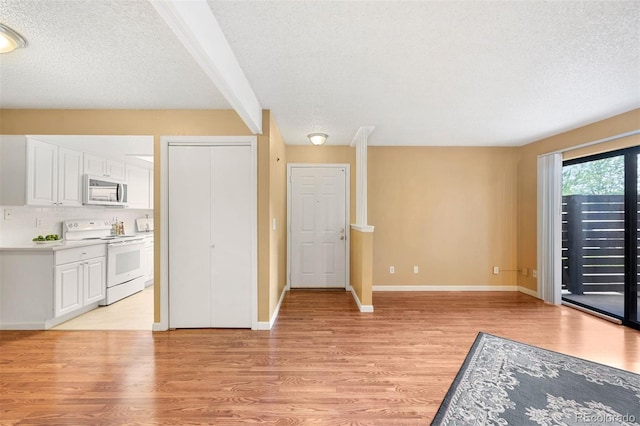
column 69, row 177
column 100, row 166
column 42, row 173
column 116, row 170
column 94, row 165
column 54, row 175
column 137, row 187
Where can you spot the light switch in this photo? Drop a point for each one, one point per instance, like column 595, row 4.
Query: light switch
column 273, row 224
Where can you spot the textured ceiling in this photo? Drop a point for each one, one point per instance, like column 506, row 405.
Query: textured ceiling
column 437, row 72
column 98, row 54
column 421, row 72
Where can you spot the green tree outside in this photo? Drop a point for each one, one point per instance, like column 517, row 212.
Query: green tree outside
column 600, row 177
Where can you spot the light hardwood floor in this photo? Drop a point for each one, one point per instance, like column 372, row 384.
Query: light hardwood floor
column 132, row 313
column 323, row 362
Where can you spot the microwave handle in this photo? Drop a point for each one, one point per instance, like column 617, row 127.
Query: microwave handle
column 119, row 192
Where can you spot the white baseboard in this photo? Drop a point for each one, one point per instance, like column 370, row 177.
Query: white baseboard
column 264, row 325
column 456, row 288
column 158, row 326
column 363, row 308
column 445, row 288
column 23, row 326
column 528, row 291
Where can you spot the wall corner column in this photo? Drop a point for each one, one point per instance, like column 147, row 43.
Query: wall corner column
column 361, row 247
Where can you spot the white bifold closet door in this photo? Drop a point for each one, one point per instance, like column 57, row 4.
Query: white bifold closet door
column 210, row 242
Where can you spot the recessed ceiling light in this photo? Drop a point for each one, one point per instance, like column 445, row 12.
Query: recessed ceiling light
column 10, row 40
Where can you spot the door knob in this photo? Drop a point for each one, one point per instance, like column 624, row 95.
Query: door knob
column 342, row 237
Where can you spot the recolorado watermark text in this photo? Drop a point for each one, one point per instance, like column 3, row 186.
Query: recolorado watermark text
column 605, row 419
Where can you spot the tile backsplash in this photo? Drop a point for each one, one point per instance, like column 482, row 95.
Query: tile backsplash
column 19, row 224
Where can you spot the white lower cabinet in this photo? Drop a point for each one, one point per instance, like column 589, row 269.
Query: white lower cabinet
column 94, row 280
column 42, row 288
column 68, row 288
column 80, row 278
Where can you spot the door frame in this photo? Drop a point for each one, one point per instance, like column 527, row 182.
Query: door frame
column 347, row 212
column 630, row 164
column 165, row 141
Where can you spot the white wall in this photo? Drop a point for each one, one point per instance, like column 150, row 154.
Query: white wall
column 21, row 227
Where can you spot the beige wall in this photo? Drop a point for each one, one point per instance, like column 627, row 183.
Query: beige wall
column 360, row 266
column 454, row 212
column 175, row 122
column 278, row 211
column 527, row 175
column 450, row 211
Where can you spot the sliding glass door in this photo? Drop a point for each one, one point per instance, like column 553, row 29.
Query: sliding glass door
column 632, row 312
column 600, row 234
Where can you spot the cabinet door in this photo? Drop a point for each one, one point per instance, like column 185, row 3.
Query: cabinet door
column 94, row 165
column 138, row 187
column 42, row 173
column 116, row 170
column 70, row 164
column 68, row 288
column 94, row 280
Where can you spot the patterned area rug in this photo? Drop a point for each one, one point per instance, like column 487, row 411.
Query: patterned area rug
column 503, row 382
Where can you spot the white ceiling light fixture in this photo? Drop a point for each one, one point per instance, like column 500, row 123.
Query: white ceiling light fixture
column 318, row 138
column 10, row 40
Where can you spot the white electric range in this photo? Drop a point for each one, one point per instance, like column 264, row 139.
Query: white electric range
column 125, row 256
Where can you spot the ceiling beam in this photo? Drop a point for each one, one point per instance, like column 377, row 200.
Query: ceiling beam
column 196, row 27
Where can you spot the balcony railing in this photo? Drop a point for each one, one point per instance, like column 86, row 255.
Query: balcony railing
column 593, row 233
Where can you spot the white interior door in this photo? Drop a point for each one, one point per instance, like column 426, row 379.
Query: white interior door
column 318, row 227
column 210, row 241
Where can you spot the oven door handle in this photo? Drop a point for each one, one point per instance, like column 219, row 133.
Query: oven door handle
column 122, row 243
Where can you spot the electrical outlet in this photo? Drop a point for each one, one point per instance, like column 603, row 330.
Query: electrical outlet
column 496, row 270
column 415, row 269
column 525, row 272
column 39, row 222
column 534, row 273
column 392, row 269
column 8, row 214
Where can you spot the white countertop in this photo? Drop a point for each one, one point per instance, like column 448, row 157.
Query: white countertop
column 58, row 245
column 32, row 246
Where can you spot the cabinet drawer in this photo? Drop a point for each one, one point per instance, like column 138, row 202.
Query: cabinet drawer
column 79, row 253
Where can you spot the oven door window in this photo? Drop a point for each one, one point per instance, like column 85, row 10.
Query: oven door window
column 128, row 261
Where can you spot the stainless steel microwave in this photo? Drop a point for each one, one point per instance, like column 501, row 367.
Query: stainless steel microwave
column 103, row 191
